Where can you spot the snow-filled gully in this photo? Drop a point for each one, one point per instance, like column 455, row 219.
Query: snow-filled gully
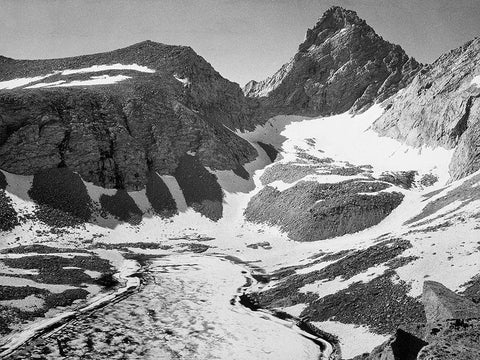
column 187, row 306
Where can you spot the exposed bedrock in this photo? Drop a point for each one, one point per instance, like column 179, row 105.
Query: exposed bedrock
column 113, row 135
column 342, row 64
column 451, row 331
column 311, row 211
column 441, row 107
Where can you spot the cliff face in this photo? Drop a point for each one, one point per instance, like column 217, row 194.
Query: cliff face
column 114, row 134
column 441, row 107
column 342, row 64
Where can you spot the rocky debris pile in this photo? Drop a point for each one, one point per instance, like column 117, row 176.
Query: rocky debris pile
column 113, row 135
column 441, row 107
column 451, row 330
column 379, row 303
column 311, row 211
column 342, row 64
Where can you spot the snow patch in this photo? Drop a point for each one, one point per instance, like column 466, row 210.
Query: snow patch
column 175, row 191
column 14, row 83
column 185, row 81
column 43, row 84
column 449, row 256
column 354, row 339
column 325, row 287
column 95, row 80
column 350, row 138
column 98, row 68
column 476, row 81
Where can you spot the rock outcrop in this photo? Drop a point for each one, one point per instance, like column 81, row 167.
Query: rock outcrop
column 441, row 107
column 443, row 304
column 311, row 211
column 451, row 331
column 342, row 64
column 114, row 135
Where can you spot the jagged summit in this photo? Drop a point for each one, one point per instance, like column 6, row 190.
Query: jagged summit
column 342, row 64
column 334, row 19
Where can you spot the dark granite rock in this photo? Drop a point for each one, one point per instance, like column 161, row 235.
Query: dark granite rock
column 342, row 64
column 113, row 135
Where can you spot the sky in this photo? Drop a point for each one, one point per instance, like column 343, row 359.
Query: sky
column 242, row 39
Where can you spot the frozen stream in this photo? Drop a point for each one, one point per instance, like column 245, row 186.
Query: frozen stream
column 182, row 311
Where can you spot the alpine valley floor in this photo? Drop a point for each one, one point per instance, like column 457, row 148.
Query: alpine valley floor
column 358, row 285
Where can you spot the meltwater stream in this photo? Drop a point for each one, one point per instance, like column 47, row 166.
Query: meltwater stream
column 183, row 310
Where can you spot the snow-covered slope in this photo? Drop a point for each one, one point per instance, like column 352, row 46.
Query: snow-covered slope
column 431, row 234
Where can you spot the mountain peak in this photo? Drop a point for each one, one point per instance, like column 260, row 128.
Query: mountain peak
column 333, row 20
column 342, row 64
column 339, row 15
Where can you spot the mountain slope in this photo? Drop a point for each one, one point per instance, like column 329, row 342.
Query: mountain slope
column 116, row 116
column 340, row 226
column 441, row 107
column 342, row 64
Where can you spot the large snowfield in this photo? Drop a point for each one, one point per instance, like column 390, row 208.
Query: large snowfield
column 197, row 288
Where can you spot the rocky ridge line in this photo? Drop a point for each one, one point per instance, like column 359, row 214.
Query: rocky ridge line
column 441, row 107
column 114, row 135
